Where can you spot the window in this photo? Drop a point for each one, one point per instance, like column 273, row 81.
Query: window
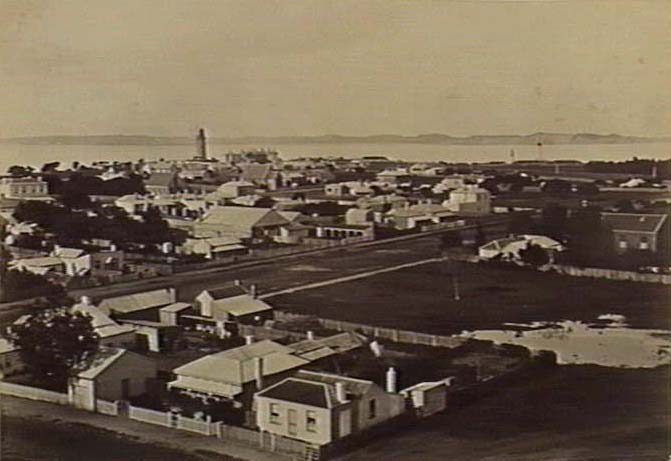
column 372, row 408
column 310, row 421
column 644, row 243
column 623, row 244
column 274, row 413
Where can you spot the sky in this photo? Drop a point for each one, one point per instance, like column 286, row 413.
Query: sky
column 307, row 67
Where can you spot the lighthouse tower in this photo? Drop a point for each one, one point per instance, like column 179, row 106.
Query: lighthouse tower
column 201, row 141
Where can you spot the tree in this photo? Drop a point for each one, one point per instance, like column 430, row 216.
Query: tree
column 534, row 255
column 53, row 342
column 590, row 242
column 19, row 171
column 554, row 221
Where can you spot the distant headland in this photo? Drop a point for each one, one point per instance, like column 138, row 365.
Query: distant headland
column 432, row 138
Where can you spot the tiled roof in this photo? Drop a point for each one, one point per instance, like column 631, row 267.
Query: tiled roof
column 634, row 222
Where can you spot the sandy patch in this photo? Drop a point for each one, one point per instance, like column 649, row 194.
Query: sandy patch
column 578, row 343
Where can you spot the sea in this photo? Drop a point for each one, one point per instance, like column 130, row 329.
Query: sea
column 37, row 155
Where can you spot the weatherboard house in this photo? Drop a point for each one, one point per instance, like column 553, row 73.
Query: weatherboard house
column 320, row 408
column 637, row 231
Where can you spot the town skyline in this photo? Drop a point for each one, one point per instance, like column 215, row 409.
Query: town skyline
column 276, row 69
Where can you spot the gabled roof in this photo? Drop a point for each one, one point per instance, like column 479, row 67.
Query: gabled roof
column 242, row 217
column 101, row 361
column 236, row 366
column 634, row 222
column 337, row 344
column 239, row 305
column 256, row 171
column 103, row 325
column 138, row 301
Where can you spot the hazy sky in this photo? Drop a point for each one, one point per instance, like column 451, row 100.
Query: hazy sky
column 305, row 67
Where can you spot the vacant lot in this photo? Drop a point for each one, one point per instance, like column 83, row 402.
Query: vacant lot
column 575, row 413
column 422, row 299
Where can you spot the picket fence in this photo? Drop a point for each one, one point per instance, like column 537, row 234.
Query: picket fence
column 218, row 429
column 610, row 274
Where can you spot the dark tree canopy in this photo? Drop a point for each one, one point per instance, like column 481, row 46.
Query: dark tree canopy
column 534, row 255
column 54, row 341
column 18, row 170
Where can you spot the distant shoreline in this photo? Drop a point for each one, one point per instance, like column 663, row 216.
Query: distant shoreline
column 424, row 139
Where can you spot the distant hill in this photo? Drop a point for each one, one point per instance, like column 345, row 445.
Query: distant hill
column 432, row 138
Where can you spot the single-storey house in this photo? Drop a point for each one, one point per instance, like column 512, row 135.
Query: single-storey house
column 320, row 408
column 233, row 189
column 233, row 304
column 144, row 305
column 242, row 223
column 428, row 398
column 235, row 374
column 638, row 231
column 111, row 374
column 216, row 247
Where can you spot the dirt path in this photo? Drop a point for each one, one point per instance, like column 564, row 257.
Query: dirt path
column 29, row 410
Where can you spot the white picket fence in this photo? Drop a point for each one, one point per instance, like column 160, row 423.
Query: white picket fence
column 145, row 415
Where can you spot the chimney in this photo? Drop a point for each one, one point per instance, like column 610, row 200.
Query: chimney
column 375, row 348
column 311, row 335
column 237, row 282
column 391, row 380
column 258, row 372
column 341, row 396
column 85, row 300
column 252, row 290
column 249, row 339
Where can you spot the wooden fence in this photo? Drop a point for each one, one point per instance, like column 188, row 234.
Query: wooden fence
column 33, row 393
column 610, row 274
column 144, row 415
column 399, row 336
column 261, row 333
column 107, row 408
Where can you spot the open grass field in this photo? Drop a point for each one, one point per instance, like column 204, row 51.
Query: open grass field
column 574, row 413
column 421, row 299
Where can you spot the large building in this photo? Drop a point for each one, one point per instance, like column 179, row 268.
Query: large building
column 469, row 201
column 242, row 223
column 23, row 188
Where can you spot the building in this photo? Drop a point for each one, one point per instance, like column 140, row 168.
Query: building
column 634, row 231
column 234, row 189
column 235, row 374
column 419, row 215
column 233, row 304
column 397, row 177
column 316, row 350
column 111, row 333
column 75, row 260
column 163, row 183
column 469, row 201
column 359, row 216
column 428, row 398
column 242, row 223
column 24, row 188
column 41, row 265
column 215, row 247
column 320, row 408
column 139, row 305
column 112, row 375
column 508, row 248
column 10, row 359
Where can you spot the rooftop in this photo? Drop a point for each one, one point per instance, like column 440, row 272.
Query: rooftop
column 634, row 222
